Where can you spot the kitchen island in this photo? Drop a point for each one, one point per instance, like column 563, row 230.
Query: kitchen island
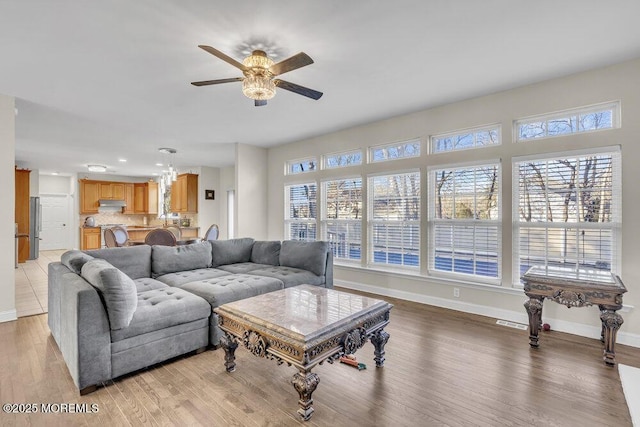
column 138, row 233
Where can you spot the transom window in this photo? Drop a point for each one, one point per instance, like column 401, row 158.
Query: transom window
column 462, row 140
column 340, row 160
column 398, row 150
column 301, row 166
column 465, row 220
column 597, row 117
column 394, row 219
column 342, row 217
column 300, row 212
column 567, row 211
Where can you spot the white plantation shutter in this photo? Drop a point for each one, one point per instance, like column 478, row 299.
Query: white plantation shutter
column 465, row 221
column 394, row 219
column 300, row 212
column 342, row 217
column 567, row 211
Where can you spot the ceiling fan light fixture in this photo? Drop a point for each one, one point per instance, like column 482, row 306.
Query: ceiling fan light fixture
column 258, row 59
column 258, row 87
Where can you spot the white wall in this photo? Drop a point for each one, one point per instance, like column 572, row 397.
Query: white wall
column 208, row 210
column 51, row 184
column 227, row 182
column 7, row 201
column 251, row 191
column 618, row 82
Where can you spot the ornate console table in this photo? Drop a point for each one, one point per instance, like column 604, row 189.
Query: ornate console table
column 304, row 326
column 575, row 288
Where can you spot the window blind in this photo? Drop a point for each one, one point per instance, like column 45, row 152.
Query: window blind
column 300, row 212
column 342, row 217
column 394, row 219
column 567, row 211
column 465, row 221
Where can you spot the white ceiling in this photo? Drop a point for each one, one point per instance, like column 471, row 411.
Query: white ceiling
column 95, row 81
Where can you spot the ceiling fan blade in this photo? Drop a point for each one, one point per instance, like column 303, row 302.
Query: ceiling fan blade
column 300, row 90
column 228, row 59
column 216, row 82
column 296, row 61
column 260, row 102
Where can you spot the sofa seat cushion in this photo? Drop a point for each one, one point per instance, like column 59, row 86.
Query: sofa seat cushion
column 290, row 276
column 148, row 284
column 181, row 277
column 242, row 267
column 163, row 308
column 221, row 290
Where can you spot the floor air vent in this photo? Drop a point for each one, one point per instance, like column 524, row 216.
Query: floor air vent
column 512, row 324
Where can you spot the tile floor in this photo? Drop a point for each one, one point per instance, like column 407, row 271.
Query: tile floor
column 31, row 284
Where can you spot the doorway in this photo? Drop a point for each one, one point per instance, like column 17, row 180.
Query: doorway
column 56, row 221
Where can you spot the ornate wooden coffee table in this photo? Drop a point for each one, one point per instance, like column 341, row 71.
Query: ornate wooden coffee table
column 576, row 288
column 304, row 326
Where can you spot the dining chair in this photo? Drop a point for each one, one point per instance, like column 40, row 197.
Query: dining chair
column 160, row 236
column 110, row 238
column 175, row 230
column 121, row 235
column 212, row 232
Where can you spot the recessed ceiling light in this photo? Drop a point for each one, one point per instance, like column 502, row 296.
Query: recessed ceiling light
column 54, row 173
column 122, row 160
column 158, row 164
column 97, row 168
column 155, row 174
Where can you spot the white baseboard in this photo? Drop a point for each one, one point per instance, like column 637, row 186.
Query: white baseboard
column 8, row 316
column 632, row 340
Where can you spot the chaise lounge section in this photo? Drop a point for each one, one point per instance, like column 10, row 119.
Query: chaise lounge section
column 114, row 311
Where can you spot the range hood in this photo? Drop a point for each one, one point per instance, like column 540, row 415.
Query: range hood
column 108, row 203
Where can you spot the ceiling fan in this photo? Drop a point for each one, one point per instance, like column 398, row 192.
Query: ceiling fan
column 259, row 82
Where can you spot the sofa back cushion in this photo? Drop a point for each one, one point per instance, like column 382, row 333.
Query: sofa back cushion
column 134, row 261
column 310, row 256
column 74, row 260
column 231, row 251
column 266, row 252
column 170, row 259
column 118, row 291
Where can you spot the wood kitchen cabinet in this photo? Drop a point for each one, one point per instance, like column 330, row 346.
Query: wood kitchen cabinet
column 111, row 190
column 89, row 196
column 22, row 212
column 184, row 194
column 90, row 238
column 129, row 198
column 145, row 196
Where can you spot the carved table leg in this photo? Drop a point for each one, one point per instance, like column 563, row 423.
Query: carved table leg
column 534, row 310
column 611, row 322
column 305, row 383
column 229, row 344
column 379, row 339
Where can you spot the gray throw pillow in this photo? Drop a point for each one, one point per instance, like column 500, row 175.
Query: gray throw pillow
column 169, row 259
column 74, row 260
column 310, row 256
column 118, row 291
column 231, row 251
column 266, row 252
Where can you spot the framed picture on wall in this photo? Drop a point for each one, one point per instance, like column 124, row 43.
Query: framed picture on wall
column 209, row 194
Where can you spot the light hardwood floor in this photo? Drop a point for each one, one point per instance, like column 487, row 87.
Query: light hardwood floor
column 31, row 284
column 443, row 368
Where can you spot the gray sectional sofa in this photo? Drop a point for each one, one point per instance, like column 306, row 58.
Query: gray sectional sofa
column 114, row 311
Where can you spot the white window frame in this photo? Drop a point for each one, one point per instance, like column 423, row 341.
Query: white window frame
column 432, row 222
column 371, row 222
column 473, row 130
column 290, row 164
column 372, row 149
column 614, row 106
column 326, row 157
column 308, row 221
column 614, row 226
column 324, row 222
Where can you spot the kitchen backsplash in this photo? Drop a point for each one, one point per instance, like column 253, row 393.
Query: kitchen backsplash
column 119, row 218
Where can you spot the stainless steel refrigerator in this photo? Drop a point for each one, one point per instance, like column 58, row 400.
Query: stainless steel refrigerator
column 35, row 226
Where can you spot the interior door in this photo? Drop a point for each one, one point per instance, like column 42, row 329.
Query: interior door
column 56, row 222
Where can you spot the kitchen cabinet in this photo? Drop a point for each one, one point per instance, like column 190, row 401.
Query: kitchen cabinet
column 89, row 196
column 22, row 212
column 128, row 198
column 145, row 196
column 90, row 238
column 111, row 190
column 184, row 194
